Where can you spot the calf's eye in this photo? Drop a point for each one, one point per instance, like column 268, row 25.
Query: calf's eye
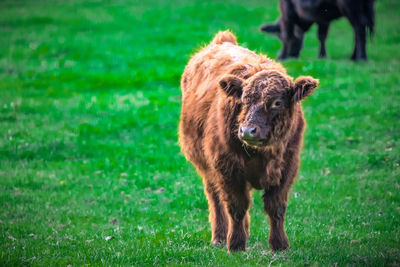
column 276, row 103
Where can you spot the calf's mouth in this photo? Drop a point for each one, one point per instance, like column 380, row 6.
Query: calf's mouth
column 255, row 143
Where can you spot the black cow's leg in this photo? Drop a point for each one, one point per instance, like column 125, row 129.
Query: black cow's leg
column 361, row 42
column 291, row 45
column 354, row 14
column 353, row 55
column 283, row 54
column 322, row 34
column 287, row 28
column 295, row 45
column 359, row 52
column 286, row 36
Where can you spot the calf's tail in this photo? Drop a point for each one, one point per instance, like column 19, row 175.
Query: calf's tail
column 224, row 36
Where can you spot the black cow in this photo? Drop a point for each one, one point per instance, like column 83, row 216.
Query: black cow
column 297, row 16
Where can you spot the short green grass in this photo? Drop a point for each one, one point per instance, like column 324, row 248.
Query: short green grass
column 89, row 108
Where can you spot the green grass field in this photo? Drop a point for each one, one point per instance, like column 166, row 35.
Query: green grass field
column 90, row 168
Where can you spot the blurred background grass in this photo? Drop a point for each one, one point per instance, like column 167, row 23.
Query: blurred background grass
column 89, row 107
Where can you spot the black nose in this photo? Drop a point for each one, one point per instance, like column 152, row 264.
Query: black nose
column 249, row 133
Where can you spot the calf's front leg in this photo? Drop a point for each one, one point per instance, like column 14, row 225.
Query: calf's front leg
column 237, row 201
column 218, row 218
column 275, row 202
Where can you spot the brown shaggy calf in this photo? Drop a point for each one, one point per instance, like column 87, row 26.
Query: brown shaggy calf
column 242, row 128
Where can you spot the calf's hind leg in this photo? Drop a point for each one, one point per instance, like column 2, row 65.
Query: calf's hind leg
column 218, row 218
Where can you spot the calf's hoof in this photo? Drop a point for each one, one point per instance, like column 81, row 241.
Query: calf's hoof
column 281, row 247
column 237, row 247
column 218, row 242
column 279, row 244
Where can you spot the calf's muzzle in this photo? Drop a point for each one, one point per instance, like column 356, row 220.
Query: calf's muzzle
column 249, row 133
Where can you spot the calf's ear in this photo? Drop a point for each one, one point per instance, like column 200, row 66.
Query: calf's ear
column 231, row 85
column 303, row 87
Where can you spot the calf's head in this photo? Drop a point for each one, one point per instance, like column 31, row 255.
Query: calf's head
column 267, row 102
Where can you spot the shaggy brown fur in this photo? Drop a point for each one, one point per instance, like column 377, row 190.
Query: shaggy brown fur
column 242, row 128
